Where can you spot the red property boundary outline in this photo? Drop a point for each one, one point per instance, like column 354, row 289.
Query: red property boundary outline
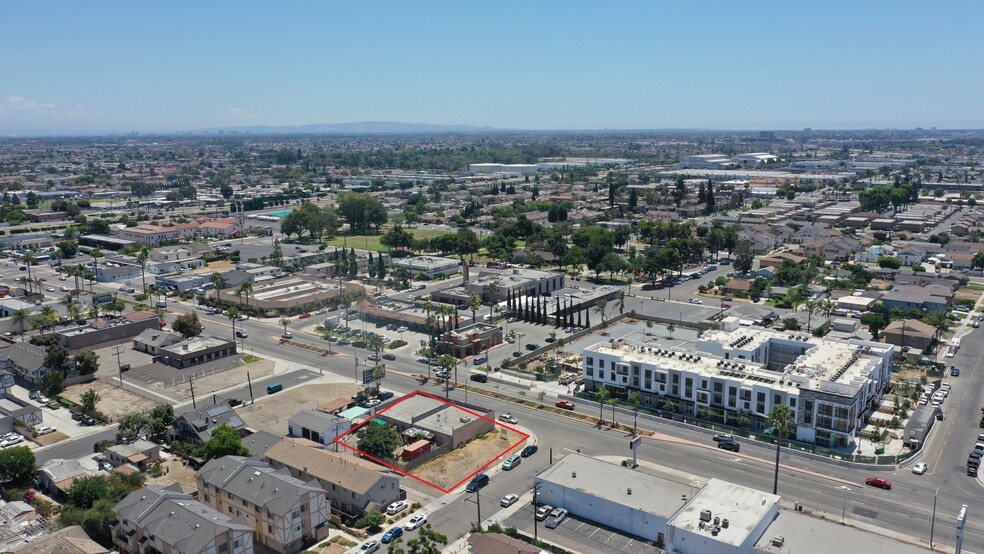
column 523, row 437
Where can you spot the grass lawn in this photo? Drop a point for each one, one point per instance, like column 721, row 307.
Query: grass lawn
column 372, row 241
column 975, row 286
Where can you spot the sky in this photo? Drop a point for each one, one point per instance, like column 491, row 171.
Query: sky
column 69, row 67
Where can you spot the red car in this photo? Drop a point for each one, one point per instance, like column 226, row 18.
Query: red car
column 565, row 404
column 879, row 482
column 303, row 316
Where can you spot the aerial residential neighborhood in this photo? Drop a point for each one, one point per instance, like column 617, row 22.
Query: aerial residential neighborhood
column 341, row 361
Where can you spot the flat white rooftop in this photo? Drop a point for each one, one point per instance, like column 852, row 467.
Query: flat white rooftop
column 744, row 508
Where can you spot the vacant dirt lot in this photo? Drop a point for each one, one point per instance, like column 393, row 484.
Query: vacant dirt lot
column 115, row 402
column 176, row 472
column 271, row 414
column 50, row 438
column 455, row 466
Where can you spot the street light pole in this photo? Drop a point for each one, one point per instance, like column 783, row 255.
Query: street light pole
column 932, row 525
column 846, row 490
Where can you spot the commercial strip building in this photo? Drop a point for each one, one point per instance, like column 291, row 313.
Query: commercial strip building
column 286, row 295
column 108, row 330
column 428, row 266
column 679, row 516
column 494, row 285
column 285, row 512
column 164, row 519
column 829, row 385
column 470, row 340
column 444, row 424
column 196, row 350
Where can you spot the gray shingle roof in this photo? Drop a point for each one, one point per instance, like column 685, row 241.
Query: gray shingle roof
column 176, row 518
column 256, row 482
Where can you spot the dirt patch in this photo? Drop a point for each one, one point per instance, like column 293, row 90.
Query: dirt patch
column 967, row 294
column 453, row 467
column 175, row 472
column 335, row 545
column 272, row 413
column 50, row 438
column 114, row 401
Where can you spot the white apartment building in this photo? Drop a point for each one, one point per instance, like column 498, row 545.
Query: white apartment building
column 829, row 385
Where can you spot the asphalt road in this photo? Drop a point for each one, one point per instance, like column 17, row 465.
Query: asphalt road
column 907, row 508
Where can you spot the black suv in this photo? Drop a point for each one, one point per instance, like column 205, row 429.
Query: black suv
column 729, row 445
column 480, row 377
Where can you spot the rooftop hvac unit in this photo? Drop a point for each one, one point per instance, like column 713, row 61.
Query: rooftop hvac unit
column 778, row 542
column 705, row 515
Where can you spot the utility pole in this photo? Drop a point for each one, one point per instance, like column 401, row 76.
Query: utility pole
column 119, row 364
column 191, row 382
column 478, row 503
column 932, row 525
column 250, row 383
column 536, row 490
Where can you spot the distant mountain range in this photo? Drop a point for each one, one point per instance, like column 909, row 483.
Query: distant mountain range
column 364, row 127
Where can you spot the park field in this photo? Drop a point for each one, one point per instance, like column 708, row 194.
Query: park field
column 371, row 242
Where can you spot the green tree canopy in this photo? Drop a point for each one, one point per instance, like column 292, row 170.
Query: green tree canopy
column 188, row 325
column 378, row 440
column 17, row 466
column 361, row 211
column 225, row 441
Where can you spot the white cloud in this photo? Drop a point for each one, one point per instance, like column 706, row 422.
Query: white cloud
column 241, row 114
column 15, row 104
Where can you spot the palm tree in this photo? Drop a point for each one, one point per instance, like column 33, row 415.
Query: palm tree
column 602, row 396
column 217, row 280
column 96, row 254
column 781, row 417
column 20, row 317
column 621, row 302
column 48, row 316
column 29, row 260
column 827, row 307
column 474, row 302
column 811, row 306
column 233, row 314
column 285, row 322
column 635, row 397
column 76, row 271
column 375, row 343
column 245, row 288
column 142, row 258
column 600, row 306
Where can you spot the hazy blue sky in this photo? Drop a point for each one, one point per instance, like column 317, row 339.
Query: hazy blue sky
column 89, row 65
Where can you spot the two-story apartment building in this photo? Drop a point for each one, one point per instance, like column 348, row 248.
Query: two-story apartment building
column 353, row 487
column 163, row 519
column 151, row 235
column 284, row 511
column 829, row 385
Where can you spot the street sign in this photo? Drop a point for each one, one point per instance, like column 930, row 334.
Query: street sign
column 635, row 442
column 102, row 299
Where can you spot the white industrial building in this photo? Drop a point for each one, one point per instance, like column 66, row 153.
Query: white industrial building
column 508, row 169
column 756, row 158
column 680, row 516
column 706, row 161
column 744, row 372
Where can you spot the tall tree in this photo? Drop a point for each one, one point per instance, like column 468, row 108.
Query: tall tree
column 781, row 417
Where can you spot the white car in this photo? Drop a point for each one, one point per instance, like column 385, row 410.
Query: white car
column 396, row 507
column 508, row 500
column 11, row 441
column 368, row 547
column 920, row 468
column 416, row 521
column 44, row 431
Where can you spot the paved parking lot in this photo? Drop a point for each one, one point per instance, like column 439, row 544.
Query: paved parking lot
column 580, row 535
column 169, row 376
column 60, row 419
